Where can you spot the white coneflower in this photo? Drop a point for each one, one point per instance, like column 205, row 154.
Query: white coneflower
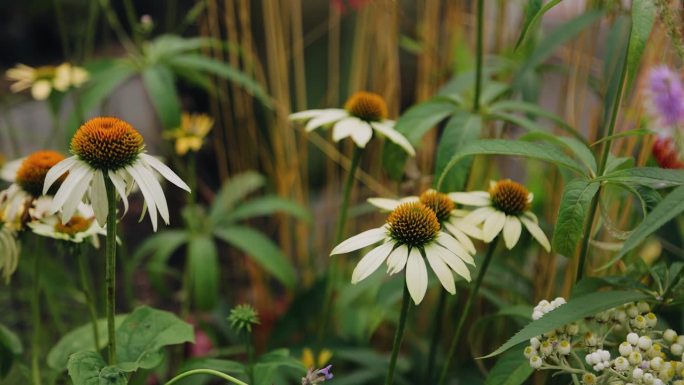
column 81, row 226
column 43, row 79
column 449, row 217
column 505, row 207
column 410, row 236
column 109, row 147
column 9, row 252
column 363, row 114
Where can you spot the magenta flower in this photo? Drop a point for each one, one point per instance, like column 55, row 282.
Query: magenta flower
column 666, row 96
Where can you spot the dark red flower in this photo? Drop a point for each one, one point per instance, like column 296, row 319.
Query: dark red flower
column 666, row 153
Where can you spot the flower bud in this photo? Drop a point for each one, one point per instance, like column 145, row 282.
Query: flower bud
column 639, row 322
column 564, row 347
column 644, row 342
column 589, row 379
column 534, row 342
column 621, row 364
column 546, row 348
column 680, row 340
column 656, row 363
column 590, row 339
column 632, row 311
column 643, row 307
column 651, row 320
column 529, row 352
column 676, row 349
column 648, row 379
column 637, row 373
column 572, row 329
column 633, row 338
column 634, row 358
column 669, row 335
column 625, row 349
column 535, row 362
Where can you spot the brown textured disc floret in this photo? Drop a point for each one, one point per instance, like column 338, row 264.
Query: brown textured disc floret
column 367, row 106
column 75, row 225
column 413, row 224
column 107, row 143
column 509, row 197
column 439, row 203
column 31, row 173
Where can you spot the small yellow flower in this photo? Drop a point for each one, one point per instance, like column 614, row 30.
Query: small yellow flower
column 42, row 80
column 323, row 358
column 191, row 133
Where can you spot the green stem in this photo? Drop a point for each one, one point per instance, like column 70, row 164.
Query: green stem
column 436, row 334
column 110, row 270
column 35, row 349
column 250, row 356
column 605, row 151
column 216, row 373
column 133, row 22
column 466, row 310
column 110, row 15
column 478, row 55
column 90, row 302
column 342, row 220
column 405, row 303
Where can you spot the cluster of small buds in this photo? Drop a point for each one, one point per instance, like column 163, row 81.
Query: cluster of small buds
column 599, row 359
column 644, row 356
column 545, row 306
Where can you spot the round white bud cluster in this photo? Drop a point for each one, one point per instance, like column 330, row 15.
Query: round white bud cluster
column 600, row 359
column 545, row 306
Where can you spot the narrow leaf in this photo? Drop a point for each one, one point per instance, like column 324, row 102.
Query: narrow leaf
column 268, row 205
column 161, row 87
column 204, row 271
column 643, row 17
column 462, row 129
column 574, row 205
column 653, row 177
column 511, row 369
column 233, row 190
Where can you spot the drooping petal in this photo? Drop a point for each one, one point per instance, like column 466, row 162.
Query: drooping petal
column 451, row 244
column 360, row 241
column 384, row 203
column 493, row 225
column 442, row 271
column 395, row 136
column 120, row 186
column 453, row 261
column 343, row 128
column 461, row 237
column 511, row 231
column 371, row 261
column 76, row 174
column 479, row 215
column 165, row 171
column 467, row 227
column 76, row 196
column 155, row 189
column 531, row 216
column 536, row 232
column 397, row 259
column 308, row 114
column 416, row 275
column 100, row 206
column 474, row 198
column 147, row 194
column 57, row 171
column 325, row 118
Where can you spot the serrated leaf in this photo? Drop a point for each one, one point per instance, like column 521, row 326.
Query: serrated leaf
column 80, row 340
column 260, row 248
column 577, row 148
column 572, row 213
column 414, row 124
column 204, row 271
column 144, row 332
column 653, row 177
column 511, row 369
column 513, row 148
column 462, row 129
column 643, row 17
column 88, row 368
column 575, row 309
column 533, row 109
column 161, row 87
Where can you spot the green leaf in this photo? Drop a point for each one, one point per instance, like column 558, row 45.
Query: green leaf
column 670, row 207
column 556, row 38
column 264, row 252
column 10, row 348
column 634, row 132
column 414, row 124
column 204, row 271
column 614, row 67
column 575, row 309
column 533, row 109
column 161, row 86
column 513, row 148
column 462, row 129
column 224, row 70
column 267, row 205
column 88, row 368
column 653, row 177
column 511, row 369
column 80, row 340
column 233, row 190
column 230, row 367
column 574, row 205
column 144, row 332
column 579, row 149
column 167, row 46
column 643, row 17
column 533, row 15
column 271, row 362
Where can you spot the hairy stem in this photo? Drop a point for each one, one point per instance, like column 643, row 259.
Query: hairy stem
column 90, row 301
column 110, row 270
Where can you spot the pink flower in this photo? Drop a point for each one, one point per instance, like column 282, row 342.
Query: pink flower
column 666, row 95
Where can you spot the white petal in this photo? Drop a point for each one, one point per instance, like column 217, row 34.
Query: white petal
column 493, row 226
column 165, row 171
column 416, row 275
column 362, row 135
column 308, row 114
column 397, row 259
column 147, row 194
column 371, row 261
column 452, row 260
column 8, row 172
column 57, row 171
column 441, row 270
column 76, row 174
column 76, row 196
column 346, row 127
column 536, row 232
column 395, row 136
column 155, row 189
column 478, row 216
column 475, row 198
column 530, row 215
column 360, row 241
column 100, row 206
column 384, row 203
column 41, row 89
column 467, row 227
column 511, row 231
column 325, row 118
column 451, row 244
column 120, row 186
column 460, row 237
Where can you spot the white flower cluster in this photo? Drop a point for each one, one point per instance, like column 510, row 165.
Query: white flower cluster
column 545, row 306
column 644, row 356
